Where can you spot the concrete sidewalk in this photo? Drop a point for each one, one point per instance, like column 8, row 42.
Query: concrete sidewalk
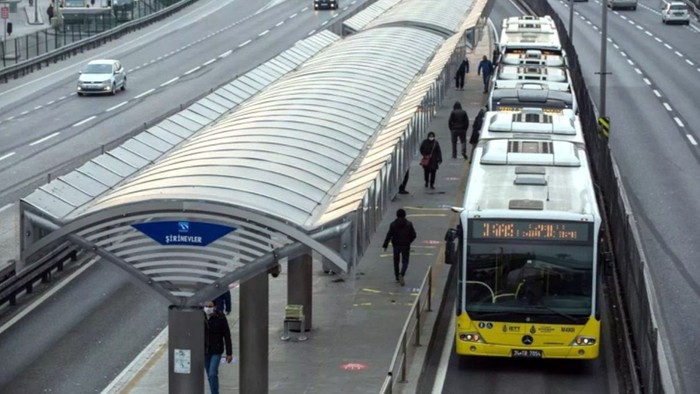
column 355, row 321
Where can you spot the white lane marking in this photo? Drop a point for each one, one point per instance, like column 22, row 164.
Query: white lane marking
column 623, row 54
column 3, row 157
column 192, row 70
column 144, row 65
column 631, row 22
column 159, row 57
column 72, row 94
column 615, row 46
column 640, row 27
column 324, row 23
column 668, row 46
column 223, row 55
column 647, row 81
column 630, row 62
column 690, row 137
column 589, row 22
column 44, row 297
column 623, row 17
column 679, row 54
column 678, row 122
column 39, row 141
column 6, row 206
column 280, row 23
column 304, row 9
column 244, row 44
column 658, row 39
column 595, row 27
column 293, row 15
column 689, row 62
column 51, row 102
column 149, row 91
column 312, row 32
column 116, row 106
column 168, row 82
column 137, row 364
column 208, row 62
column 38, row 107
column 62, row 97
column 23, row 113
column 10, row 118
column 263, row 33
column 610, row 40
column 656, row 92
column 82, row 122
column 353, row 1
column 441, row 372
column 638, row 71
column 668, row 107
column 647, row 32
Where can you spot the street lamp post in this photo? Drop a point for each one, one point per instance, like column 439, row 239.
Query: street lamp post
column 571, row 21
column 603, row 56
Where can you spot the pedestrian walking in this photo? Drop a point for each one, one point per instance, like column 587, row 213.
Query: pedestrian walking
column 458, row 124
column 401, row 234
column 485, row 68
column 217, row 339
column 461, row 71
column 476, row 130
column 402, row 186
column 223, row 302
column 432, row 158
column 49, row 12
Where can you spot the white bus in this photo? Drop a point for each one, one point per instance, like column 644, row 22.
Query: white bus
column 529, row 123
column 529, row 32
column 528, row 282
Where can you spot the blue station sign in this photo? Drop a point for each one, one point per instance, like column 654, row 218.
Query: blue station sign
column 183, row 232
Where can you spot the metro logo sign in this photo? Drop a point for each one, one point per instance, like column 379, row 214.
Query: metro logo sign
column 183, row 232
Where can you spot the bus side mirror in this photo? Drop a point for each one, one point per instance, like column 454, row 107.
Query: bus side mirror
column 450, row 247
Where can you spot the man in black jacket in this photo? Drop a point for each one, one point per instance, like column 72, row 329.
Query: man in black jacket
column 216, row 335
column 458, row 124
column 401, row 234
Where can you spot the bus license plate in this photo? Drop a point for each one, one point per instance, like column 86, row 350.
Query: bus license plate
column 526, row 353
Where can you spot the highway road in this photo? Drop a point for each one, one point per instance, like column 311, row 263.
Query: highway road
column 85, row 333
column 652, row 98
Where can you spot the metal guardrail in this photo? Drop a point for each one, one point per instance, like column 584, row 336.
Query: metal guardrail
column 409, row 333
column 28, row 66
column 42, row 270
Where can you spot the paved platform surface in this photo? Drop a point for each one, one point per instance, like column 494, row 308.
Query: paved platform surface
column 355, row 321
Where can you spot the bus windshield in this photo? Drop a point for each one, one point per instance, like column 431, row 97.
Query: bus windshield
column 535, row 278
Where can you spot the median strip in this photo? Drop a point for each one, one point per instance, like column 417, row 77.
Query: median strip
column 48, row 137
column 82, row 122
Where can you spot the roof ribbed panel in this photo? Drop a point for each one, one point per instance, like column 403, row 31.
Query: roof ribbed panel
column 442, row 17
column 286, row 151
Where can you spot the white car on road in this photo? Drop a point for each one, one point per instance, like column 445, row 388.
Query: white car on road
column 102, row 76
column 675, row 12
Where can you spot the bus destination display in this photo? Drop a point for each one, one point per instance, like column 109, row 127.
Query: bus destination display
column 530, row 230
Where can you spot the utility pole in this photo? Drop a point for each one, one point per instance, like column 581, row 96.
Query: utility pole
column 603, row 56
column 571, row 21
column 36, row 12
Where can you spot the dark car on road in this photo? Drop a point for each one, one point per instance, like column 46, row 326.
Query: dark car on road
column 325, row 4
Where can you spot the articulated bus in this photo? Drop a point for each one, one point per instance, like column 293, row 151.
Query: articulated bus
column 528, row 282
column 528, row 278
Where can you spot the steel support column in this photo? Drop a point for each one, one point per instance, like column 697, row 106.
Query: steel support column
column 185, row 350
column 254, row 315
column 299, row 285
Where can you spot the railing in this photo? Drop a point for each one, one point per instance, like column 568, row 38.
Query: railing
column 410, row 334
column 629, row 261
column 44, row 48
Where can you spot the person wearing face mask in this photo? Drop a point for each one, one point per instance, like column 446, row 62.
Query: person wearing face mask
column 217, row 339
column 432, row 157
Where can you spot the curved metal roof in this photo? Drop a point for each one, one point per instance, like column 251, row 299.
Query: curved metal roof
column 285, row 152
column 442, row 17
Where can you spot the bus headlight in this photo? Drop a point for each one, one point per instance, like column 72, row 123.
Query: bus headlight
column 470, row 337
column 583, row 341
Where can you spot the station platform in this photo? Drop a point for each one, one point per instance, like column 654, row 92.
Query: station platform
column 356, row 321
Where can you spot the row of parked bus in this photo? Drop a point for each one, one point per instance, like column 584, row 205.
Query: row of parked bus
column 528, row 281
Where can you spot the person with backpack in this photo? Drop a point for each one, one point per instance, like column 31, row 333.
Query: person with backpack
column 401, row 234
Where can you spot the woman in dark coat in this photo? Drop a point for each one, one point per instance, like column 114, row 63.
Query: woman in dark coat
column 432, row 157
column 476, row 129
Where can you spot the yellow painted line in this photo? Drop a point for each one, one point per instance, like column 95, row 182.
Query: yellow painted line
column 426, row 209
column 424, row 215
